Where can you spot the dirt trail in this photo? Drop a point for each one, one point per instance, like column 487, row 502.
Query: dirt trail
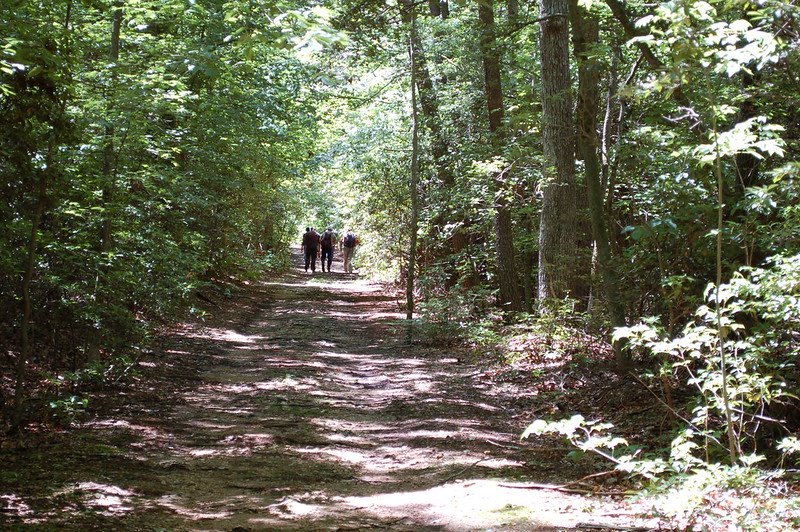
column 304, row 408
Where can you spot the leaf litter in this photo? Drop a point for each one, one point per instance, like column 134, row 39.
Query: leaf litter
column 300, row 405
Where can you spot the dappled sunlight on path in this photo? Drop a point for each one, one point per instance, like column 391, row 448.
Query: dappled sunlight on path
column 305, row 408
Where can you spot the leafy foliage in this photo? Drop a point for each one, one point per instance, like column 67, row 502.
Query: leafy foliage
column 173, row 166
column 141, row 168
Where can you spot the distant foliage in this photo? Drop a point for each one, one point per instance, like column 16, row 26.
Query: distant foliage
column 131, row 183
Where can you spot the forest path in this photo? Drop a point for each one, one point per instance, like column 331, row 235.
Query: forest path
column 302, row 407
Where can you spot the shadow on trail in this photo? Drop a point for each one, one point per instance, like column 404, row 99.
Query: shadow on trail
column 310, row 412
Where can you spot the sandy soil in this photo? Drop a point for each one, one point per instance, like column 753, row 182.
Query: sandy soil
column 301, row 405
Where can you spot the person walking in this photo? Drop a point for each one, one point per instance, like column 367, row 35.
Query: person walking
column 327, row 242
column 348, row 245
column 310, row 247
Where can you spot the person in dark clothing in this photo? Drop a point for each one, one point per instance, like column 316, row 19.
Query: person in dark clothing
column 327, row 242
column 310, row 246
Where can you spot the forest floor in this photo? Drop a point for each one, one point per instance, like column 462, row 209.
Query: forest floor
column 300, row 404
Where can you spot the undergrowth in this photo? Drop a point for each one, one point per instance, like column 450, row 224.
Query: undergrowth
column 686, row 473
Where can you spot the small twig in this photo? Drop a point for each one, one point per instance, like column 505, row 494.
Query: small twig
column 524, row 25
column 387, row 524
column 206, row 299
column 758, row 416
column 594, row 526
column 125, row 371
column 587, row 477
column 282, row 501
column 245, row 487
column 536, row 486
column 663, row 403
column 496, row 444
column 458, row 474
column 549, row 449
column 555, row 487
column 561, row 487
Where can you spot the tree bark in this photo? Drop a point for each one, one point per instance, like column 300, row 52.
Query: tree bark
column 557, row 227
column 620, row 13
column 586, row 33
column 108, row 141
column 25, row 290
column 429, row 110
column 439, row 8
column 29, row 269
column 412, row 247
column 429, row 116
column 510, row 298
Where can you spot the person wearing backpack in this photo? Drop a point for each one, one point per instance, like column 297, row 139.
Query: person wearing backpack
column 310, row 247
column 349, row 242
column 327, row 242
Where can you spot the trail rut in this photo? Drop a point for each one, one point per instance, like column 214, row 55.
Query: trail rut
column 305, row 407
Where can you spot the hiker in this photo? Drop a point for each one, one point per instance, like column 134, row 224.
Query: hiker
column 348, row 246
column 327, row 242
column 310, row 247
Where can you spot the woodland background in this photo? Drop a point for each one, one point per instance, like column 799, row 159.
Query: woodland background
column 554, row 169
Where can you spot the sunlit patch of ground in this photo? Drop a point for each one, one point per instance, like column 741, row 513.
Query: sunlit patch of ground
column 476, row 505
column 299, row 407
column 107, row 499
column 15, row 504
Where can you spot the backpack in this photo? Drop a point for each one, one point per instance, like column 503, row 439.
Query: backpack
column 326, row 239
column 350, row 240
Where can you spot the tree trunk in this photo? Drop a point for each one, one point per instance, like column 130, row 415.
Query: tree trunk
column 510, row 298
column 108, row 172
column 557, row 233
column 29, row 270
column 618, row 9
column 439, row 8
column 429, row 109
column 585, row 34
column 412, row 248
column 429, row 116
column 27, row 301
column 108, row 141
column 748, row 166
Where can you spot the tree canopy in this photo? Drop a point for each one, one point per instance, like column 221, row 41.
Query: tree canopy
column 628, row 167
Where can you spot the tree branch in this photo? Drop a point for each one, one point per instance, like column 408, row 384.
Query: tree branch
column 523, row 25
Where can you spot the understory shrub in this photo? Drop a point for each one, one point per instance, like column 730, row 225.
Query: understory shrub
column 754, row 320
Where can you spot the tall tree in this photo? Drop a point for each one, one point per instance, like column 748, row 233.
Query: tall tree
column 124, row 188
column 38, row 136
column 585, row 31
column 557, row 226
column 414, row 177
column 619, row 10
column 108, row 148
column 430, row 115
column 510, row 297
